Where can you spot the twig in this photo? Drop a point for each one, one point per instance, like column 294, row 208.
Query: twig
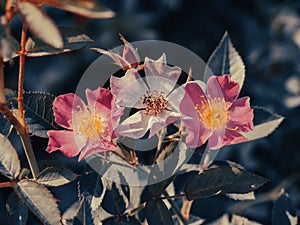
column 134, row 210
column 22, row 131
column 7, row 184
column 167, row 196
column 21, row 77
column 186, row 208
column 175, row 207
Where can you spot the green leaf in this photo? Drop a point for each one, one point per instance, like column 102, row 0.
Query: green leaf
column 226, row 60
column 72, row 39
column 70, row 214
column 84, row 214
column 284, row 211
column 17, row 211
column 222, row 180
column 55, row 176
column 157, row 213
column 39, row 114
column 114, row 201
column 128, row 220
column 9, row 159
column 164, row 172
column 39, row 200
column 40, row 24
column 264, row 128
column 86, row 8
column 157, row 189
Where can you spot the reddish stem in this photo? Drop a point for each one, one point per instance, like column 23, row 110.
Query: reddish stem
column 21, row 77
column 7, row 184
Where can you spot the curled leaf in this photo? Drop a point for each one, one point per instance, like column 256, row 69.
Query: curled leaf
column 72, row 39
column 40, row 24
column 86, row 8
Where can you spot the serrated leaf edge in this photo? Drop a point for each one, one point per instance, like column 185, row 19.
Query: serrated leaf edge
column 29, row 207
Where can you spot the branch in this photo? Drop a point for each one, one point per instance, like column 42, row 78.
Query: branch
column 7, row 184
column 21, row 77
column 22, row 131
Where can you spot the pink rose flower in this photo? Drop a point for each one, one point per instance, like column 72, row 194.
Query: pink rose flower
column 216, row 115
column 89, row 129
column 153, row 95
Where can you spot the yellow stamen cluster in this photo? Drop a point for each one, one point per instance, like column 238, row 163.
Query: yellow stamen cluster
column 213, row 112
column 87, row 123
column 154, row 102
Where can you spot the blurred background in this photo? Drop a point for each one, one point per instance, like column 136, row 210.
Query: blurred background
column 266, row 33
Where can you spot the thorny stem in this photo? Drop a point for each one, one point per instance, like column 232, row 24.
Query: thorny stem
column 134, row 210
column 167, row 196
column 7, row 184
column 22, row 131
column 24, row 138
column 21, row 77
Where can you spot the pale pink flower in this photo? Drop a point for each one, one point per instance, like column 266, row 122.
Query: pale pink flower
column 154, row 95
column 89, row 129
column 216, row 115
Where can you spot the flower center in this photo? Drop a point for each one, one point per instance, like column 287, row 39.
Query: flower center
column 87, row 123
column 154, row 102
column 213, row 112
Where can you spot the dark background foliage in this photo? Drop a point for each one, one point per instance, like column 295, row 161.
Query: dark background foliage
column 266, row 34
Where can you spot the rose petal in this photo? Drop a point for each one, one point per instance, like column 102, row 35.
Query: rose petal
column 64, row 141
column 241, row 115
column 222, row 87
column 130, row 54
column 129, row 89
column 134, row 126
column 175, row 98
column 64, row 106
column 163, row 119
column 197, row 133
column 99, row 99
column 160, row 69
column 194, row 95
column 96, row 147
column 118, row 60
column 216, row 139
column 233, row 137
